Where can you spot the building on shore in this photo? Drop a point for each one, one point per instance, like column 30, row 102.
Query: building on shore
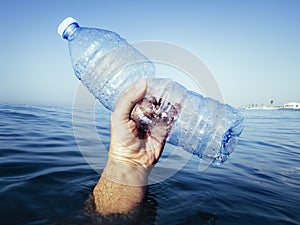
column 292, row 105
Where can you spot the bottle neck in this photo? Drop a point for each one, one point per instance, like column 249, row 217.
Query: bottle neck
column 69, row 32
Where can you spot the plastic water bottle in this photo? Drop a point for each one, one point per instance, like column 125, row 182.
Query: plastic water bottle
column 107, row 65
column 104, row 62
column 200, row 125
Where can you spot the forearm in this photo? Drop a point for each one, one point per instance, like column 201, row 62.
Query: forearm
column 121, row 188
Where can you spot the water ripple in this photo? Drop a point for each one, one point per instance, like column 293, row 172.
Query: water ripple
column 44, row 179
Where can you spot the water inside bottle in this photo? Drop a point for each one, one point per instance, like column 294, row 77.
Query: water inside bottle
column 151, row 113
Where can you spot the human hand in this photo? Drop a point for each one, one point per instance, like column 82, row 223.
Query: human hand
column 123, row 182
column 127, row 144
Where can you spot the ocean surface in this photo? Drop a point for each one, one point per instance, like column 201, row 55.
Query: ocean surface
column 48, row 168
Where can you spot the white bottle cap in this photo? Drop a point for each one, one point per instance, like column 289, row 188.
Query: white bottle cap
column 64, row 25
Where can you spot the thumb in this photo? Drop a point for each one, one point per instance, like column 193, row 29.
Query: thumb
column 130, row 97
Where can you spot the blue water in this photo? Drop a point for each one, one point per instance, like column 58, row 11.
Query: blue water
column 44, row 179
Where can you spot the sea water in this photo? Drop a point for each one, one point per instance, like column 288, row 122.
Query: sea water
column 44, row 179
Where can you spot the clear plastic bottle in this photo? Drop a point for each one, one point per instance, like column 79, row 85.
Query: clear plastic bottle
column 106, row 64
column 202, row 126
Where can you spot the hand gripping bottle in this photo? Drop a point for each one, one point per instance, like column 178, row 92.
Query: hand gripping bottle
column 106, row 64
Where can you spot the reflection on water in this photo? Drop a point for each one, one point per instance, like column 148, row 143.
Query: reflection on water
column 146, row 213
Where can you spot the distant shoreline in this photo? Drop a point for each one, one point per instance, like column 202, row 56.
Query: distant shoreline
column 290, row 105
column 268, row 108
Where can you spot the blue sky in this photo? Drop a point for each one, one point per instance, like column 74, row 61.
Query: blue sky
column 251, row 47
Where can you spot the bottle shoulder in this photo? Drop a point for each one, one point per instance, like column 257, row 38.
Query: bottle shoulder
column 95, row 34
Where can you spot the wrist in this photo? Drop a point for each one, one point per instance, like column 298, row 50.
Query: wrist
column 125, row 173
column 121, row 188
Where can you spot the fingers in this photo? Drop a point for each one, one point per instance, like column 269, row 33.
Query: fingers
column 130, row 97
